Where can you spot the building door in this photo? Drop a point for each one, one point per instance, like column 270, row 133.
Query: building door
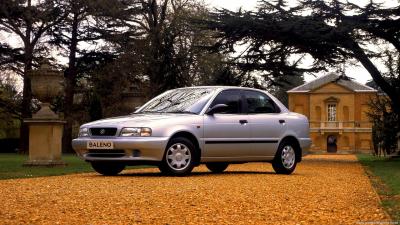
column 331, row 143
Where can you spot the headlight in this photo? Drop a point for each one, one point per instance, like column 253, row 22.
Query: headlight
column 83, row 132
column 136, row 132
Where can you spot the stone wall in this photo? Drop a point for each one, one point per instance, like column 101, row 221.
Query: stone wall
column 351, row 129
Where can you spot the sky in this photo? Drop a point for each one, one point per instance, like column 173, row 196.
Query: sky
column 357, row 72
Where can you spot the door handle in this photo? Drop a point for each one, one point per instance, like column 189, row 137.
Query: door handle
column 282, row 121
column 243, row 121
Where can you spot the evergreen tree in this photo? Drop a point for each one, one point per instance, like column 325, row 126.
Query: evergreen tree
column 331, row 32
column 28, row 21
column 77, row 31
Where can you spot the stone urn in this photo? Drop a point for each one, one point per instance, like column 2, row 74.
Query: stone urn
column 46, row 84
column 45, row 127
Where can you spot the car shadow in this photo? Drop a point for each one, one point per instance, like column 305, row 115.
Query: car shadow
column 192, row 174
column 199, row 174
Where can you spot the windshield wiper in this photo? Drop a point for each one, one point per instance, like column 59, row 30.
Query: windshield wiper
column 186, row 112
column 151, row 112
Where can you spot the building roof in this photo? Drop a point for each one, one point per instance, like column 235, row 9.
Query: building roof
column 341, row 80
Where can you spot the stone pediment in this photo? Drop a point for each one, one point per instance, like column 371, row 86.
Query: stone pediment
column 332, row 99
column 332, row 88
column 328, row 81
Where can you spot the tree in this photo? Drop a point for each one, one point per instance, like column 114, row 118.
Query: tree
column 29, row 22
column 77, row 31
column 10, row 99
column 383, row 117
column 382, row 114
column 330, row 32
column 160, row 37
column 10, row 113
column 281, row 85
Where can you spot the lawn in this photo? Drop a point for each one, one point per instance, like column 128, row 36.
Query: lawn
column 11, row 167
column 386, row 179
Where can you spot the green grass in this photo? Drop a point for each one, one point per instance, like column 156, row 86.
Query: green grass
column 11, row 167
column 385, row 176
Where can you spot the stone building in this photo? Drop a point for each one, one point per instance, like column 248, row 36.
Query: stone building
column 336, row 107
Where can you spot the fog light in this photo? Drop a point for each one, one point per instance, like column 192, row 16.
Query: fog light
column 136, row 153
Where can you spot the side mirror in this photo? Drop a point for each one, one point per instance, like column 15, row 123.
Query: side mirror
column 217, row 109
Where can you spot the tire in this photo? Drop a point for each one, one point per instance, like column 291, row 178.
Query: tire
column 108, row 169
column 178, row 157
column 217, row 167
column 285, row 160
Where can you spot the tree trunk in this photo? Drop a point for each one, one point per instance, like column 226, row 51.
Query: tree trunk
column 70, row 83
column 26, row 111
column 391, row 91
column 155, row 63
column 26, row 107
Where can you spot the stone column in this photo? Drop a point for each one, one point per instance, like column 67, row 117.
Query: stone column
column 398, row 143
column 45, row 137
column 45, row 127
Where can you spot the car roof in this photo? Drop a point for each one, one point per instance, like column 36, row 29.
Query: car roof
column 222, row 87
column 280, row 105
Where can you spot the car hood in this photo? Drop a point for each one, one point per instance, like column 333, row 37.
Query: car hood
column 135, row 119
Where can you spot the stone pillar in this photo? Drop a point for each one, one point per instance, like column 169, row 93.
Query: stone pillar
column 398, row 143
column 45, row 137
column 45, row 127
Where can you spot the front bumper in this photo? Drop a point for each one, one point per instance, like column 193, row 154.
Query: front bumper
column 135, row 149
column 305, row 144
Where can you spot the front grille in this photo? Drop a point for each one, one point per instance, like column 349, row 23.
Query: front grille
column 106, row 131
column 103, row 153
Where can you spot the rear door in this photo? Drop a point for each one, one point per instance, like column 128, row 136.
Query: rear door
column 226, row 134
column 267, row 124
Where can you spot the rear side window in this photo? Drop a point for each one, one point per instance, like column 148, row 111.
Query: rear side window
column 258, row 102
column 231, row 98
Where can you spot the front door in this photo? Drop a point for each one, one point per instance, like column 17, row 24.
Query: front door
column 267, row 125
column 331, row 144
column 226, row 134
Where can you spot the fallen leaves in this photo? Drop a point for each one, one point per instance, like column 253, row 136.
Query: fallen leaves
column 321, row 191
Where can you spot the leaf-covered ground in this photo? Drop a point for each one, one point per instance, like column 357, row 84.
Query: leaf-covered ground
column 321, row 191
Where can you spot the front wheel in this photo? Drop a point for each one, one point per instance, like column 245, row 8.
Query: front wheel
column 285, row 159
column 178, row 157
column 217, row 167
column 108, row 169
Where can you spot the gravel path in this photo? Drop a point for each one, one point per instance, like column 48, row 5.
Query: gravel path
column 319, row 192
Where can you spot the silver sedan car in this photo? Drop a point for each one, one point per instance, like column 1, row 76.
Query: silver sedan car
column 186, row 127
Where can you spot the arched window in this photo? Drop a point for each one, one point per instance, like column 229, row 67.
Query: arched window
column 331, row 112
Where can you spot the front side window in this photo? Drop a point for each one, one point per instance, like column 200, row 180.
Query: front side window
column 331, row 112
column 231, row 98
column 258, row 102
column 184, row 100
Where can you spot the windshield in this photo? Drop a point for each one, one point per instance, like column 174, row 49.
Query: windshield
column 186, row 100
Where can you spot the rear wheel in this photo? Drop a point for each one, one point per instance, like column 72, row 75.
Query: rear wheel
column 108, row 169
column 217, row 167
column 285, row 159
column 178, row 157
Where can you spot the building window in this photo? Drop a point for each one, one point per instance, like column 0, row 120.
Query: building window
column 331, row 112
